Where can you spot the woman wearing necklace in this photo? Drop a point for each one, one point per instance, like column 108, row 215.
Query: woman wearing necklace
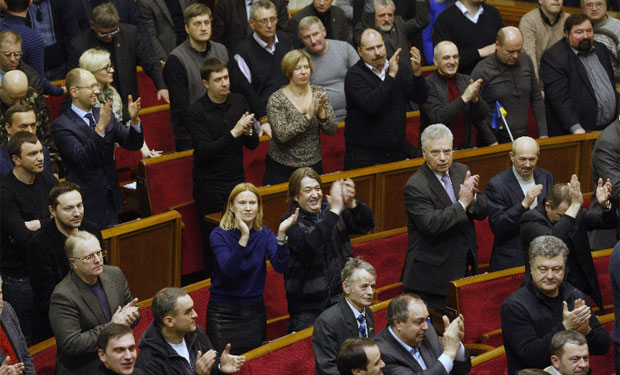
column 297, row 112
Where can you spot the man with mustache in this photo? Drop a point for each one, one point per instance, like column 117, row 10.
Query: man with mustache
column 508, row 77
column 24, row 211
column 46, row 251
column 453, row 100
column 546, row 304
column 378, row 91
column 578, row 79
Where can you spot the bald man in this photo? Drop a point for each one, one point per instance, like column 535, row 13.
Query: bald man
column 85, row 137
column 377, row 92
column 508, row 76
column 453, row 100
column 510, row 194
column 13, row 89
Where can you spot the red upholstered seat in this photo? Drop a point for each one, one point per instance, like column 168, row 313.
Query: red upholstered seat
column 45, row 361
column 191, row 240
column 54, row 103
column 158, row 130
column 169, row 183
column 276, row 304
column 148, row 91
column 201, row 300
column 380, row 320
column 480, row 303
column 601, row 263
column 333, row 151
column 413, row 129
column 387, row 255
column 297, row 359
column 254, row 163
column 495, row 365
column 484, row 237
column 604, row 364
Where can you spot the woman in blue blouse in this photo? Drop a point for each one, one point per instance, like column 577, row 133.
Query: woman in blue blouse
column 236, row 312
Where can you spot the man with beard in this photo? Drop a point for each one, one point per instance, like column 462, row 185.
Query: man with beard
column 46, row 251
column 578, row 79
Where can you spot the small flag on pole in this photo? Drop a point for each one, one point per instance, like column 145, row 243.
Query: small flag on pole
column 500, row 113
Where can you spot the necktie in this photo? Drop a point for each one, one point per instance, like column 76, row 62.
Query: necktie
column 415, row 352
column 91, row 120
column 362, row 321
column 447, row 184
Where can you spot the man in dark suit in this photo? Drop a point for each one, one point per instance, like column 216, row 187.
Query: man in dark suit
column 127, row 48
column 231, row 21
column 578, row 81
column 562, row 216
column 85, row 137
column 453, row 100
column 605, row 161
column 442, row 201
column 46, row 251
column 164, row 21
column 89, row 297
column 351, row 317
column 510, row 194
column 359, row 356
column 410, row 345
column 332, row 17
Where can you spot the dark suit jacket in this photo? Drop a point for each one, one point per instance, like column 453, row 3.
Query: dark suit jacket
column 606, row 164
column 331, row 328
column 441, row 233
column 569, row 96
column 89, row 162
column 504, row 196
column 77, row 318
column 48, row 266
column 574, row 232
column 130, row 50
column 159, row 23
column 339, row 24
column 127, row 10
column 11, row 327
column 400, row 362
column 438, row 109
column 230, row 21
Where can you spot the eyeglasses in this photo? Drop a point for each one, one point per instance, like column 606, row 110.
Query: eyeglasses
column 16, row 55
column 593, row 5
column 111, row 33
column 91, row 258
column 93, row 87
column 265, row 21
column 108, row 68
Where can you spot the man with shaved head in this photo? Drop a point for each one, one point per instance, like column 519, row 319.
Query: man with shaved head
column 85, row 137
column 377, row 92
column 508, row 77
column 14, row 89
column 510, row 194
column 453, row 100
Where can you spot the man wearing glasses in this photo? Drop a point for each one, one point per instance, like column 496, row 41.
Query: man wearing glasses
column 262, row 52
column 127, row 50
column 85, row 137
column 11, row 53
column 90, row 297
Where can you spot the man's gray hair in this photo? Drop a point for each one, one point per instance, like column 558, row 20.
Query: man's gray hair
column 385, row 3
column 562, row 338
column 548, row 247
column 74, row 238
column 435, row 131
column 348, row 271
column 307, row 22
column 265, row 4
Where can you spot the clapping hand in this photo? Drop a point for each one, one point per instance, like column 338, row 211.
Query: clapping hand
column 229, row 363
column 603, row 192
column 205, row 362
column 286, row 224
column 6, row 369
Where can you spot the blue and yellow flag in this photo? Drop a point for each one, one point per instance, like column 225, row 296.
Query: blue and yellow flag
column 497, row 122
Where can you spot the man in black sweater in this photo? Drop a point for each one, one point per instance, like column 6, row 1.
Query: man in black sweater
column 24, row 211
column 46, row 252
column 219, row 125
column 377, row 92
column 472, row 26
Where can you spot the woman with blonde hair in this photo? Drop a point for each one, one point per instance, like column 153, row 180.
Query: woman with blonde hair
column 98, row 62
column 236, row 312
column 297, row 113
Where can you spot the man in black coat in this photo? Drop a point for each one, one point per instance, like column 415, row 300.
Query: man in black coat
column 46, row 251
column 562, row 216
column 351, row 317
column 580, row 93
column 127, row 50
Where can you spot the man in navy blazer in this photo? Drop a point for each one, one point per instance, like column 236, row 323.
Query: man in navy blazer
column 85, row 137
column 510, row 194
column 410, row 345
